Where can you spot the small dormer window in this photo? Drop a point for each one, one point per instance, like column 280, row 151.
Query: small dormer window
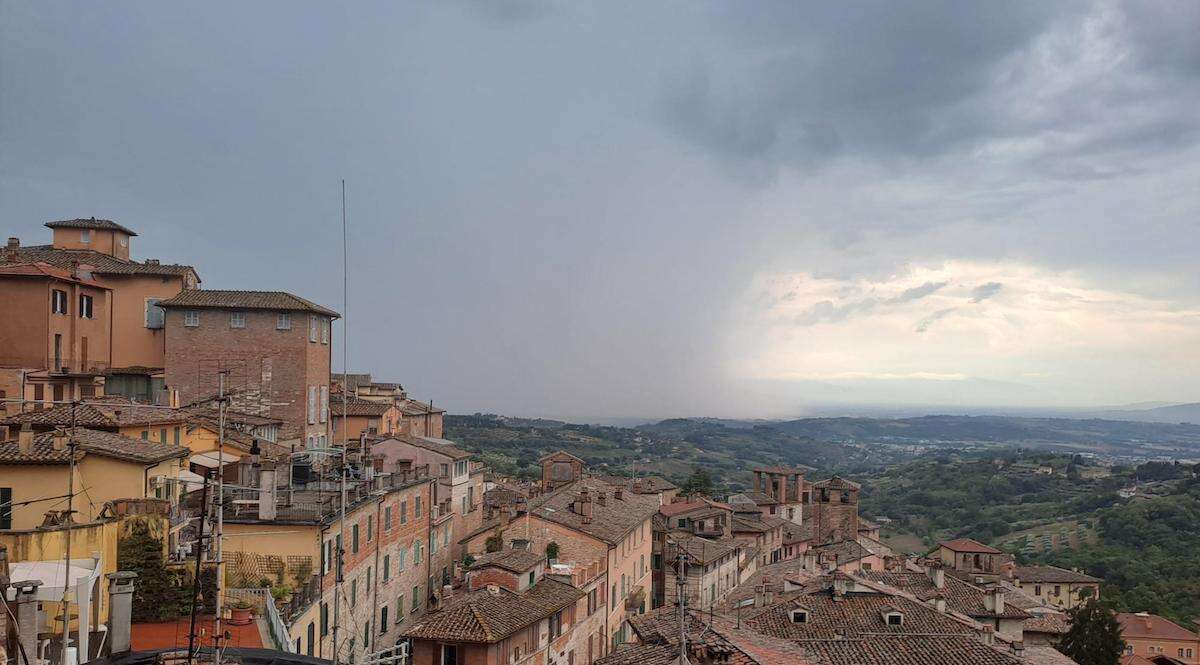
column 799, row 616
column 893, row 618
column 85, row 236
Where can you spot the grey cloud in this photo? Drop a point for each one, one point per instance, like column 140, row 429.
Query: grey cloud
column 924, row 324
column 886, row 79
column 917, row 292
column 827, row 311
column 985, row 291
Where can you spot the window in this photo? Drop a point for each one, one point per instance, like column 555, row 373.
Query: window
column 324, row 331
column 145, row 435
column 85, row 307
column 387, row 518
column 324, row 619
column 312, row 328
column 402, row 557
column 415, row 605
column 399, row 608
column 416, row 549
column 6, row 507
column 283, row 321
column 176, row 434
column 417, row 508
column 353, row 592
column 312, row 405
column 162, row 435
column 59, row 301
column 85, row 236
column 312, row 637
column 155, row 315
column 237, row 319
column 532, row 576
column 367, row 635
column 445, row 470
column 446, row 537
column 894, row 619
column 324, row 403
column 799, row 616
column 367, row 584
column 326, row 559
column 404, row 512
column 556, row 624
column 354, row 539
column 1037, row 589
column 464, row 506
column 592, row 605
column 370, row 528
column 449, row 655
column 383, row 617
column 191, row 318
column 460, row 467
column 387, row 568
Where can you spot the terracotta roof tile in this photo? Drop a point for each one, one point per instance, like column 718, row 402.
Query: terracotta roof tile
column 356, row 406
column 1051, row 575
column 968, row 545
column 1145, row 625
column 960, row 596
column 87, row 441
column 43, row 269
column 92, row 223
column 610, row 522
column 97, row 262
column 487, row 616
column 512, row 560
column 854, row 615
column 909, row 650
column 269, row 300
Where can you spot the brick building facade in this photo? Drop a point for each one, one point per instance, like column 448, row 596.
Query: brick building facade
column 273, row 344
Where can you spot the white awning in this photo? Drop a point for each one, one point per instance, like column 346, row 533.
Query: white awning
column 212, row 459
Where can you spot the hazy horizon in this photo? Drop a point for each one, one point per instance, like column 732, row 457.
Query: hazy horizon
column 627, row 210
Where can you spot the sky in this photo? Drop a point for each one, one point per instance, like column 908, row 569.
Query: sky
column 644, row 209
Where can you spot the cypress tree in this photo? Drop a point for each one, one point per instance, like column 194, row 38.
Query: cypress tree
column 1094, row 637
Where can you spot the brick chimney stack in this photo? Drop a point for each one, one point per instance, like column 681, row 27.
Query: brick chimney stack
column 25, row 439
column 60, row 439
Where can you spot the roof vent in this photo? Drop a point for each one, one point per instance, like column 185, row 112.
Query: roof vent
column 493, row 589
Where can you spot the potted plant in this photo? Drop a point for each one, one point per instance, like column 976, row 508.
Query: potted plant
column 552, row 552
column 241, row 612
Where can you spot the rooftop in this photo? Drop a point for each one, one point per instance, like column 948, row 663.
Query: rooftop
column 440, row 446
column 1052, row 575
column 702, row 551
column 968, row 545
column 1146, row 625
column 98, row 263
column 268, row 300
column 90, row 223
column 106, row 444
column 43, row 269
column 491, row 614
column 853, row 615
column 353, row 405
column 611, row 521
column 512, row 560
column 960, row 596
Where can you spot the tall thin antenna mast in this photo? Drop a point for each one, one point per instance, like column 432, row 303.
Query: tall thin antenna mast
column 66, row 601
column 337, row 594
column 217, row 634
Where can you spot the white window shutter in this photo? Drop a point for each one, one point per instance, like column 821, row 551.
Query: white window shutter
column 324, row 403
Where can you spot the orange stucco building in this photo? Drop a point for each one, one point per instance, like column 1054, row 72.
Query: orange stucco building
column 123, row 330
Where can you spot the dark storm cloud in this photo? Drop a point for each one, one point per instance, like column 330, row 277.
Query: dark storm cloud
column 812, row 81
column 985, row 291
column 561, row 208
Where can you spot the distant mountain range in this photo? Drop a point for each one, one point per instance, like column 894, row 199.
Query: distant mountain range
column 1170, row 413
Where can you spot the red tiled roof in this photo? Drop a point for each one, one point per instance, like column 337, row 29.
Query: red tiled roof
column 43, row 269
column 490, row 615
column 99, row 263
column 1145, row 625
column 92, row 223
column 106, row 444
column 269, row 300
column 968, row 545
column 1051, row 575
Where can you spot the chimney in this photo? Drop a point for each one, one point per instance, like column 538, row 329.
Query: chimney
column 60, row 439
column 637, row 486
column 585, row 508
column 504, row 516
column 763, row 595
column 988, row 635
column 266, row 491
column 25, row 439
column 618, row 493
column 14, row 246
column 602, row 498
column 120, row 613
column 1018, row 649
column 447, row 591
column 993, row 600
column 841, row 585
column 939, row 603
column 937, row 576
column 27, row 620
